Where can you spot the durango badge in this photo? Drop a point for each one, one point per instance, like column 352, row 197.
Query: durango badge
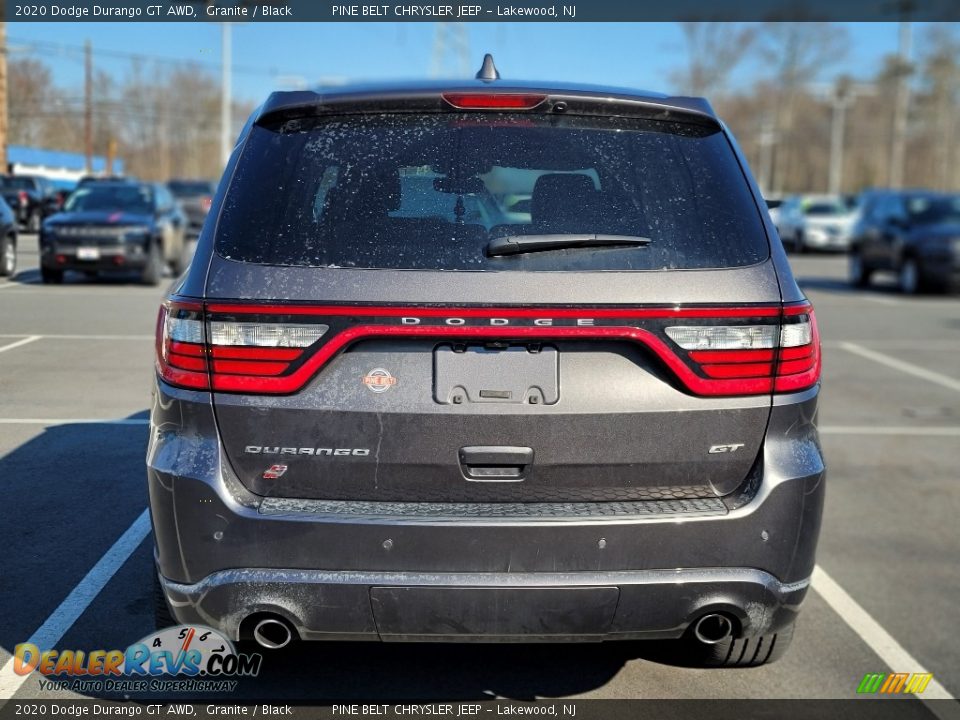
column 379, row 380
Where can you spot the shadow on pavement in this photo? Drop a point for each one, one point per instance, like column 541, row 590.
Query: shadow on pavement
column 70, row 491
column 842, row 286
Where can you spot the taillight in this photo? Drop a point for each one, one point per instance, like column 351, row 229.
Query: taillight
column 181, row 351
column 226, row 354
column 778, row 358
column 244, row 350
column 22, row 197
column 205, row 203
column 494, row 101
column 799, row 363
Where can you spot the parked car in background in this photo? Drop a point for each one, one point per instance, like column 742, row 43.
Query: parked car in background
column 8, row 240
column 773, row 207
column 815, row 222
column 31, row 197
column 377, row 417
column 195, row 197
column 914, row 233
column 63, row 188
column 90, row 179
column 115, row 226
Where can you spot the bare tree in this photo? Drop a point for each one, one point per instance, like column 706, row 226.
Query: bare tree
column 938, row 105
column 714, row 50
column 32, row 101
column 796, row 52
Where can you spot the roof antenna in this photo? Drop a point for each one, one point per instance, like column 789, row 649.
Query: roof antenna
column 488, row 71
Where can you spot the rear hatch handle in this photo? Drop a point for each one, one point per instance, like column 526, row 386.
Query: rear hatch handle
column 495, row 463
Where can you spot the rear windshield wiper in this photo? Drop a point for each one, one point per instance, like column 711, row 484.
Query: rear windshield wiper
column 516, row 244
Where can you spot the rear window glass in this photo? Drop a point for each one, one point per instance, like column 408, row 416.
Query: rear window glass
column 188, row 188
column 18, row 183
column 129, row 198
column 826, row 208
column 432, row 191
column 934, row 210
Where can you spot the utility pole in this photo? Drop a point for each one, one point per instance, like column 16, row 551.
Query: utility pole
column 111, row 155
column 88, row 105
column 840, row 96
column 3, row 97
column 225, row 95
column 840, row 99
column 766, row 141
column 900, row 108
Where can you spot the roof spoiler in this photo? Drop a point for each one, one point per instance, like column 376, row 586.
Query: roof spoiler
column 295, row 104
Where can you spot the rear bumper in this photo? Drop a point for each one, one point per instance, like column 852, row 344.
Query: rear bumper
column 120, row 257
column 380, row 571
column 478, row 607
column 820, row 240
column 942, row 269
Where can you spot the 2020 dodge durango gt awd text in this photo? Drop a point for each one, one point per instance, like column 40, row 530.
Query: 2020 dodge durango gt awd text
column 487, row 361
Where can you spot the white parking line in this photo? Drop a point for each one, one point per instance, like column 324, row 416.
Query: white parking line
column 925, row 344
column 73, row 421
column 903, row 366
column 82, row 337
column 20, row 343
column 72, row 607
column 871, row 632
column 879, row 299
column 943, row 431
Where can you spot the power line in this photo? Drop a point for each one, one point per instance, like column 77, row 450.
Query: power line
column 75, row 52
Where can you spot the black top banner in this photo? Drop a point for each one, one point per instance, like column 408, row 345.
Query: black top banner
column 478, row 11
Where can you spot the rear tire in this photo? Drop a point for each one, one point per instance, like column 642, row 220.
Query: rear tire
column 162, row 616
column 909, row 278
column 154, row 269
column 33, row 222
column 8, row 256
column 859, row 273
column 744, row 652
column 182, row 260
column 799, row 245
column 51, row 277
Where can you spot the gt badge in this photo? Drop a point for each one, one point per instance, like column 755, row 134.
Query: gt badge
column 379, row 380
column 714, row 449
column 274, row 471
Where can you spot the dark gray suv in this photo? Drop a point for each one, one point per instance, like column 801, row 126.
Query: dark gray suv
column 487, row 361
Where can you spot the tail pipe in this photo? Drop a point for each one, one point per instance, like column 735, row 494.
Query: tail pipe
column 272, row 633
column 713, row 628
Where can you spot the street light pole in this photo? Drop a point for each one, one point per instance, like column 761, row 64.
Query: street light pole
column 840, row 99
column 901, row 108
column 766, row 141
column 3, row 97
column 226, row 100
column 836, row 146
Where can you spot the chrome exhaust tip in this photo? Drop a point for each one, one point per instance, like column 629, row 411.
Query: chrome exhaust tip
column 272, row 634
column 713, row 628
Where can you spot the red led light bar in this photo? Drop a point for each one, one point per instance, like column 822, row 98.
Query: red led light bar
column 493, row 101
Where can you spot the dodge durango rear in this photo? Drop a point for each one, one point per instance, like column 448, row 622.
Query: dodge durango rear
column 489, row 361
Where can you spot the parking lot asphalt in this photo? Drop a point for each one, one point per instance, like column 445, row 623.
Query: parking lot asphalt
column 75, row 373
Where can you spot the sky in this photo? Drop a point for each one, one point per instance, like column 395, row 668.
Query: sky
column 269, row 56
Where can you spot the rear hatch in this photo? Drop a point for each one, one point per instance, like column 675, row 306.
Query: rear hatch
column 385, row 323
